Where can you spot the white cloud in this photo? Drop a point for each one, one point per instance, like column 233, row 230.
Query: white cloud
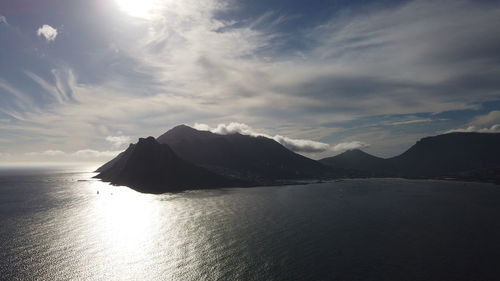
column 3, row 20
column 118, row 141
column 231, row 128
column 48, row 32
column 234, row 127
column 47, row 153
column 343, row 146
column 493, row 129
column 90, row 153
column 297, row 145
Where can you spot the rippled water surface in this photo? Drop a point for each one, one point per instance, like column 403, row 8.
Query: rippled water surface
column 55, row 226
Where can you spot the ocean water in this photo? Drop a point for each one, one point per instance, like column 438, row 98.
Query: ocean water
column 54, row 226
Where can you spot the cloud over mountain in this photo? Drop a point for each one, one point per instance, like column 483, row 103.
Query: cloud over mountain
column 486, row 123
column 493, row 129
column 297, row 145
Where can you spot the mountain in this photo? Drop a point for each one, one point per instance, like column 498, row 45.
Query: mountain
column 448, row 154
column 186, row 158
column 359, row 160
column 248, row 157
column 468, row 156
column 149, row 166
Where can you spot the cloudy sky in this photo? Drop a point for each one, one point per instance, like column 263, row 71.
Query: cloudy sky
column 81, row 79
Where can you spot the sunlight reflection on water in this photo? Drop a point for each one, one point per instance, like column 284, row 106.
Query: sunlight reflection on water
column 139, row 234
column 126, row 224
column 127, row 216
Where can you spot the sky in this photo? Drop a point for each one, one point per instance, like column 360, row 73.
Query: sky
column 81, row 79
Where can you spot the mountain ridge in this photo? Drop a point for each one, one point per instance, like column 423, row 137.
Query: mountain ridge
column 186, row 158
column 254, row 158
column 460, row 155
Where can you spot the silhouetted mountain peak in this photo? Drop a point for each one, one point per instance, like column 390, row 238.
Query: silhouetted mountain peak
column 183, row 132
column 355, row 159
column 147, row 141
column 355, row 152
column 182, row 128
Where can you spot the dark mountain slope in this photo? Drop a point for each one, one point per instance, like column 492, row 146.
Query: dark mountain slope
column 248, row 157
column 149, row 166
column 448, row 154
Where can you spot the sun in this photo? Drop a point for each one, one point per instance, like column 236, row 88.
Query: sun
column 137, row 8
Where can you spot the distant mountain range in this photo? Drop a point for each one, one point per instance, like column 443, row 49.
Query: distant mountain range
column 466, row 156
column 186, row 158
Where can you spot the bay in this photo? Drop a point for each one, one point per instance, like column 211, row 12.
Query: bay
column 60, row 224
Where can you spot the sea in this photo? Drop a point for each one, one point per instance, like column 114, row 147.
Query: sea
column 61, row 224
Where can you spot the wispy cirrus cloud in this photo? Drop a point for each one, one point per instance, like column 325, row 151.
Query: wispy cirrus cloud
column 413, row 121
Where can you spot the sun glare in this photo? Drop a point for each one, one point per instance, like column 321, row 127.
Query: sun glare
column 137, row 8
column 126, row 215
